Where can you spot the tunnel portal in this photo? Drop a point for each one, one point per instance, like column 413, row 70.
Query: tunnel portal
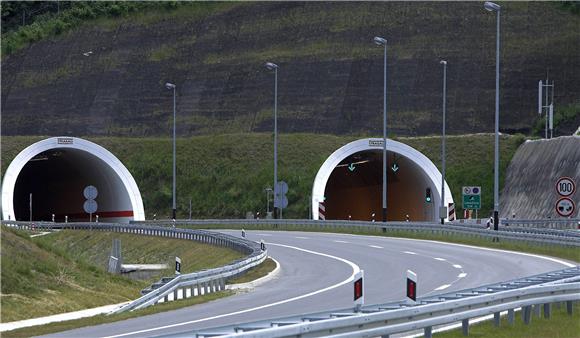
column 49, row 178
column 349, row 184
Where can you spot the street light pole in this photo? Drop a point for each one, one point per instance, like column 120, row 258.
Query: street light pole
column 490, row 6
column 444, row 63
column 274, row 67
column 172, row 86
column 383, row 42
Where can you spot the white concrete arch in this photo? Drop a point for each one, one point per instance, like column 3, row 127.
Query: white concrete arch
column 376, row 144
column 112, row 175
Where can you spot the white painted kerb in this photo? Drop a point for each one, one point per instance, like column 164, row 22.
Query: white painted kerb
column 27, row 154
column 413, row 155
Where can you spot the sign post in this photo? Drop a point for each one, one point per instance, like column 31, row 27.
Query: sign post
column 411, row 286
column 358, row 288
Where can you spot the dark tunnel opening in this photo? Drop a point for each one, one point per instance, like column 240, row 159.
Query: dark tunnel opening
column 355, row 189
column 56, row 178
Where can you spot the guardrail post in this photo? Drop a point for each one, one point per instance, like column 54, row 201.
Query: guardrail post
column 511, row 316
column 496, row 319
column 569, row 307
column 537, row 310
column 175, row 292
column 465, row 327
column 222, row 284
column 428, row 332
column 527, row 314
column 547, row 310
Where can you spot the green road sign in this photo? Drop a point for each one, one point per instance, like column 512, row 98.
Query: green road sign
column 472, row 202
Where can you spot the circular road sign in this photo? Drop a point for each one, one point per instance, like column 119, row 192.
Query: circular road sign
column 565, row 186
column 90, row 206
column 565, row 207
column 90, row 192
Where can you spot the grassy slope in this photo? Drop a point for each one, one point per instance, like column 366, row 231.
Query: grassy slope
column 65, row 271
column 561, row 325
column 225, row 175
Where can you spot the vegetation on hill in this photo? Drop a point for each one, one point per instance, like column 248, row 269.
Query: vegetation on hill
column 103, row 75
column 66, row 271
column 225, row 175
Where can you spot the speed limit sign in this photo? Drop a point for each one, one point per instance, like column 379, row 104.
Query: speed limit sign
column 565, row 186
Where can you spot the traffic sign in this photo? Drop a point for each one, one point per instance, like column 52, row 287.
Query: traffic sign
column 471, row 198
column 280, row 200
column 90, row 206
column 565, row 207
column 565, row 186
column 90, row 192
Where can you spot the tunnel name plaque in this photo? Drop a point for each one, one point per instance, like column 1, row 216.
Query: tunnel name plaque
column 64, row 140
column 375, row 143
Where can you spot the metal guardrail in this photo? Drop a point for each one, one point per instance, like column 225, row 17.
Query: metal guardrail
column 201, row 282
column 508, row 233
column 562, row 224
column 400, row 317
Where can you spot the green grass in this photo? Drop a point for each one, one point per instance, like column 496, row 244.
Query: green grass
column 569, row 253
column 65, row 271
column 225, row 175
column 256, row 272
column 560, row 325
column 102, row 319
column 109, row 15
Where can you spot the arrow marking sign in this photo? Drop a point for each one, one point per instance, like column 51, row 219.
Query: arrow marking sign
column 351, row 167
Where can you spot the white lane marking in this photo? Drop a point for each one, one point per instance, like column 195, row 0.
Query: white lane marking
column 355, row 270
column 300, row 237
column 338, row 241
column 457, row 266
column 556, row 260
column 376, row 246
column 409, row 252
column 443, row 287
column 462, row 275
column 440, row 259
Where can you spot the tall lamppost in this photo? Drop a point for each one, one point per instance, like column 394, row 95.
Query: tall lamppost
column 172, row 86
column 383, row 42
column 493, row 7
column 443, row 210
column 274, row 67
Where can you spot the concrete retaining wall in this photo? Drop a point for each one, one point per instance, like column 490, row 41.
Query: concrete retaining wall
column 530, row 185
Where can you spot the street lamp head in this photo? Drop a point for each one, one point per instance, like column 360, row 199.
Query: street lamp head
column 443, row 62
column 490, row 6
column 271, row 66
column 169, row 85
column 380, row 41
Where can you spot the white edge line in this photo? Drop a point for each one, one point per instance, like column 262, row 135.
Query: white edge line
column 439, row 259
column 376, row 246
column 355, row 270
column 409, row 252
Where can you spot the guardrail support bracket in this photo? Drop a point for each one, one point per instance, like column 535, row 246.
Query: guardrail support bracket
column 428, row 332
column 511, row 316
column 496, row 319
column 547, row 308
column 465, row 327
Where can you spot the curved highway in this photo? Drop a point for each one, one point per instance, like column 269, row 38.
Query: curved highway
column 316, row 275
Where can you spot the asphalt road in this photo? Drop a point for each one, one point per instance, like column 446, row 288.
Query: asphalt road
column 316, row 275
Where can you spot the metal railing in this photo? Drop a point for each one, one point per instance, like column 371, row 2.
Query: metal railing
column 169, row 288
column 507, row 233
column 400, row 317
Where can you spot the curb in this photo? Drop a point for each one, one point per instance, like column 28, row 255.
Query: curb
column 251, row 285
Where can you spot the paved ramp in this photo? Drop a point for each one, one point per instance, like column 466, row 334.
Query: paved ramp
column 530, row 185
